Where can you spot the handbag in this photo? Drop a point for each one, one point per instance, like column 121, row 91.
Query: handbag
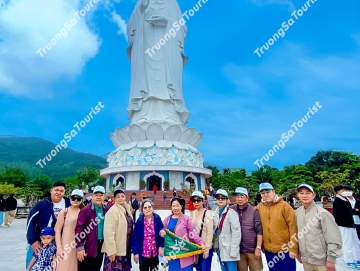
column 215, row 241
column 202, row 226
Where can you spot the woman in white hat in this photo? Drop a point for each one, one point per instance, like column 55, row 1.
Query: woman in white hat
column 227, row 233
column 65, row 233
column 203, row 222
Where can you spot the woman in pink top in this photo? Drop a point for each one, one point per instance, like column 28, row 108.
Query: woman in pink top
column 182, row 226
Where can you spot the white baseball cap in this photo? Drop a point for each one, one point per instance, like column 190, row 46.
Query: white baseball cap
column 77, row 192
column 222, row 192
column 197, row 194
column 241, row 191
column 99, row 189
column 304, row 185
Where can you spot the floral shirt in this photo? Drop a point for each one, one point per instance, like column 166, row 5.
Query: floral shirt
column 44, row 258
column 149, row 245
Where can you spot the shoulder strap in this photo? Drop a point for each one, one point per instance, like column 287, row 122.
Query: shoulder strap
column 65, row 213
column 222, row 219
column 202, row 223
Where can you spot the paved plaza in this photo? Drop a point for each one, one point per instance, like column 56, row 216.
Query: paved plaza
column 13, row 249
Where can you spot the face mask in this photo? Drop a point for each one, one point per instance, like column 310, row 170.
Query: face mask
column 346, row 194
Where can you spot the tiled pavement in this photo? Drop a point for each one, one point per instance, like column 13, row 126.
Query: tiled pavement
column 13, row 249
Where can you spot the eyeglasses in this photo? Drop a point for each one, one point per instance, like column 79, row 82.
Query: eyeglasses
column 147, row 207
column 75, row 199
column 221, row 198
column 196, row 200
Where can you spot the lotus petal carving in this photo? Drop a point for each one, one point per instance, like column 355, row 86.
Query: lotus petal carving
column 187, row 135
column 162, row 134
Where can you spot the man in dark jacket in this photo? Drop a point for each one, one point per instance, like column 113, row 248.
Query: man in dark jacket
column 355, row 206
column 89, row 232
column 134, row 205
column 10, row 207
column 44, row 214
column 251, row 232
column 342, row 212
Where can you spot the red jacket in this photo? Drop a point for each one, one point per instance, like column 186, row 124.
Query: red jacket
column 191, row 205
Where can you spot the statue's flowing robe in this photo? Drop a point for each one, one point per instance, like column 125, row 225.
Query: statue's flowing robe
column 156, row 80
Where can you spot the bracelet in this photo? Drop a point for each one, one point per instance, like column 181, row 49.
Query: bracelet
column 259, row 247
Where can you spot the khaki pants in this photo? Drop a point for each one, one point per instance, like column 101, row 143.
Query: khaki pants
column 9, row 217
column 312, row 267
column 247, row 260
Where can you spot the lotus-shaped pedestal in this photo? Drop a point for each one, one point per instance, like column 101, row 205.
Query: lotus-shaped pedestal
column 155, row 144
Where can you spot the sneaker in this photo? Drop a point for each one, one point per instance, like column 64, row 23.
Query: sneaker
column 7, row 224
column 354, row 265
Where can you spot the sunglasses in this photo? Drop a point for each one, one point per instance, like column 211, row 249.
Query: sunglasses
column 221, row 198
column 196, row 200
column 75, row 199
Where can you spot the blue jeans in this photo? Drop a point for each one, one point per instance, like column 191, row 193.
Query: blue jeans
column 204, row 264
column 280, row 261
column 165, row 200
column 227, row 266
column 29, row 255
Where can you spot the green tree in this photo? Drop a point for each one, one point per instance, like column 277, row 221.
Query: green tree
column 8, row 189
column 43, row 182
column 13, row 176
column 30, row 193
column 331, row 160
column 330, row 179
column 90, row 176
column 295, row 175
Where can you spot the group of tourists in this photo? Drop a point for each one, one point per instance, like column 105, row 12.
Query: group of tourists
column 94, row 236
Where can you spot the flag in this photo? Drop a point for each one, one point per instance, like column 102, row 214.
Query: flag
column 177, row 248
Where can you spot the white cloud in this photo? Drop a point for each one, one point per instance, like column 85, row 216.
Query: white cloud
column 27, row 26
column 115, row 17
column 121, row 24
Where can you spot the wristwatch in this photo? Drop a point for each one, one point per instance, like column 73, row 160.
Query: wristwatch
column 259, row 247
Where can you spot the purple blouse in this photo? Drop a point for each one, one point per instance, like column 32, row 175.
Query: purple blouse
column 149, row 245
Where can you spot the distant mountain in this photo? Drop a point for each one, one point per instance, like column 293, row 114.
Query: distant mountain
column 25, row 152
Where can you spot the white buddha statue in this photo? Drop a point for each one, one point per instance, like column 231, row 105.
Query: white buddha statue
column 156, row 76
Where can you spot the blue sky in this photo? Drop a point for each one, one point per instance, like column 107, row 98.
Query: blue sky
column 242, row 103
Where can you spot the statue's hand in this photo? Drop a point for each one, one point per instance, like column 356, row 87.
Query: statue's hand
column 158, row 20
